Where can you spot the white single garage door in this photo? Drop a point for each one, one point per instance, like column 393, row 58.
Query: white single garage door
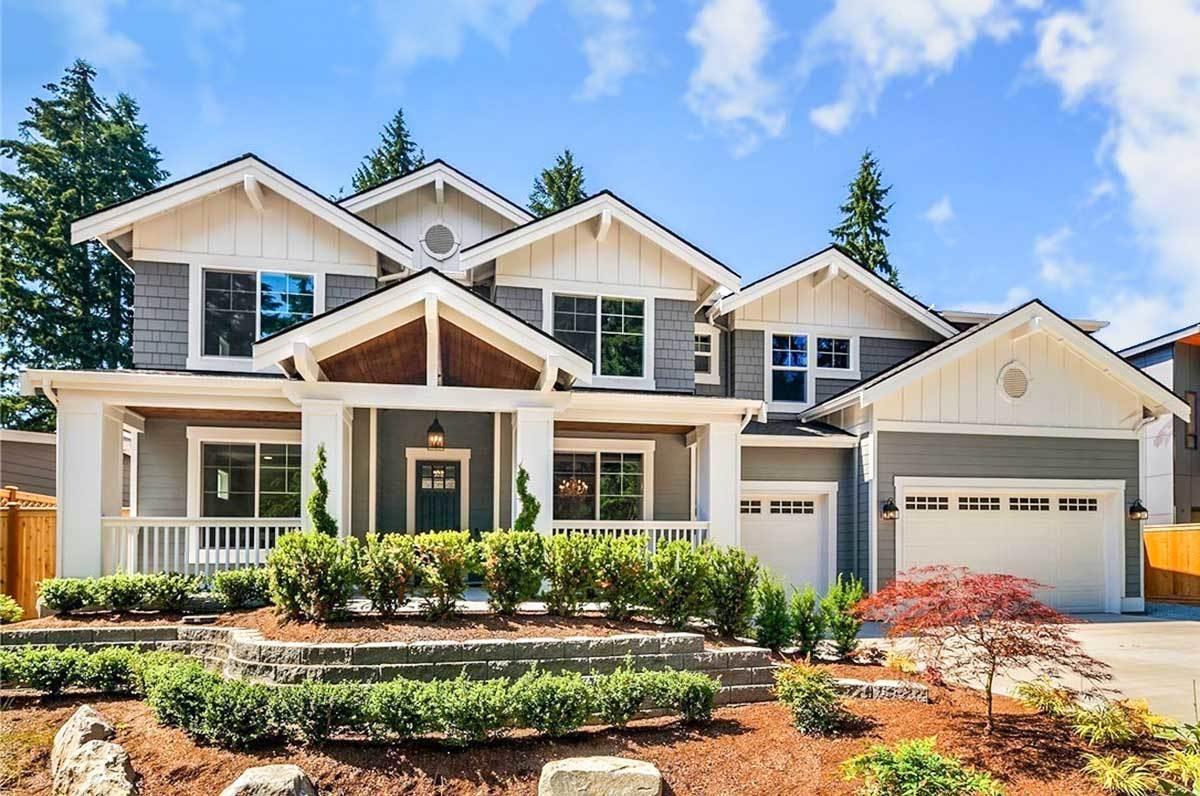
column 1055, row 538
column 790, row 535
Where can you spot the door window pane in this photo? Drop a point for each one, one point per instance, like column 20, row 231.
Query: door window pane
column 229, row 313
column 278, row 480
column 574, row 486
column 620, row 486
column 575, row 323
column 622, row 329
column 228, row 480
column 286, row 299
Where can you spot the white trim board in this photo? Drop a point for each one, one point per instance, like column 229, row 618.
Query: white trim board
column 35, row 437
column 1005, row 430
column 460, row 455
column 825, row 489
column 790, row 441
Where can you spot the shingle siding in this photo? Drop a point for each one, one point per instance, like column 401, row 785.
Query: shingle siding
column 341, row 288
column 160, row 315
column 748, row 363
column 674, row 349
column 524, row 302
column 877, row 354
column 827, row 388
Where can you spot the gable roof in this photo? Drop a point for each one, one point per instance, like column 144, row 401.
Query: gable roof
column 1162, row 340
column 969, row 318
column 379, row 307
column 595, row 205
column 835, row 258
column 122, row 215
column 1033, row 315
column 431, row 172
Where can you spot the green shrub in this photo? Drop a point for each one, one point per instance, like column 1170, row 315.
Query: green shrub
column 311, row 575
column 65, row 595
column 690, row 694
column 811, row 694
column 469, row 711
column 177, row 693
column 10, row 610
column 1115, row 722
column 10, row 673
column 387, row 567
column 123, row 591
column 238, row 714
column 530, row 506
column 772, row 625
column 110, row 669
column 1044, row 696
column 568, row 571
column 1128, row 776
column 733, row 574
column 318, row 515
column 315, row 711
column 50, row 670
column 242, row 588
column 807, row 620
column 444, row 559
column 620, row 695
column 554, row 704
column 147, row 667
column 512, row 568
column 678, row 574
column 837, row 609
column 621, row 568
column 400, row 709
column 914, row 767
column 170, row 591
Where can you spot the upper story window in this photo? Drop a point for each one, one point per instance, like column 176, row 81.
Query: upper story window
column 707, row 344
column 789, row 368
column 241, row 306
column 613, row 328
column 833, row 353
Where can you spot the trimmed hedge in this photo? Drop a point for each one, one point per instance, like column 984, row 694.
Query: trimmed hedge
column 239, row 714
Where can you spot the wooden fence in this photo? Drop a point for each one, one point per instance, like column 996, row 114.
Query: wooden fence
column 28, row 546
column 1172, row 555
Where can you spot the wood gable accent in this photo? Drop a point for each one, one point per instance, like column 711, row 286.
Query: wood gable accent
column 394, row 357
column 467, row 361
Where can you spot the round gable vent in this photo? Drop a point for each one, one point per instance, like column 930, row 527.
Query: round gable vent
column 1014, row 381
column 439, row 241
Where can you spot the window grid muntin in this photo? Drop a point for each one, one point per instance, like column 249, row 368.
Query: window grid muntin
column 1078, row 504
column 1023, row 503
column 218, row 468
column 751, row 507
column 978, row 503
column 279, row 479
column 297, row 293
column 833, row 353
column 926, row 503
column 574, row 322
column 787, row 506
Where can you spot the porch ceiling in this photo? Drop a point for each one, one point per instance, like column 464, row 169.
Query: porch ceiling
column 394, row 357
column 622, row 428
column 216, row 415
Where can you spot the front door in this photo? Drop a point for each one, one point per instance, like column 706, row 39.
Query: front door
column 438, row 486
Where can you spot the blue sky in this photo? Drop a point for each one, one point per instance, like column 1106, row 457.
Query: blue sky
column 1036, row 148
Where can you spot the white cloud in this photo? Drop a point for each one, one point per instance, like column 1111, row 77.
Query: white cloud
column 876, row 42
column 87, row 28
column 1141, row 68
column 430, row 29
column 940, row 212
column 1057, row 267
column 610, row 44
column 1134, row 317
column 728, row 88
column 1015, row 296
column 1101, row 189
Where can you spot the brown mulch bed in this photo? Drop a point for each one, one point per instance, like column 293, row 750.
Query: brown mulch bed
column 745, row 750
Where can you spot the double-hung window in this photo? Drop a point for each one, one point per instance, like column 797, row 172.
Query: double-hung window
column 250, row 479
column 789, row 368
column 611, row 331
column 707, row 343
column 833, row 353
column 241, row 306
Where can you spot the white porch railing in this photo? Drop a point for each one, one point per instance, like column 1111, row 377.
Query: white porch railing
column 657, row 532
column 191, row 545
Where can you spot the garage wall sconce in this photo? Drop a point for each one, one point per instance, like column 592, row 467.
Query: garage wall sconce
column 1138, row 511
column 890, row 510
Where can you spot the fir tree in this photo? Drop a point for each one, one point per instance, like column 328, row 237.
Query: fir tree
column 66, row 306
column 864, row 229
column 557, row 187
column 396, row 155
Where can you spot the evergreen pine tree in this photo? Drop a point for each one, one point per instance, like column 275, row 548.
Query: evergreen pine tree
column 557, row 187
column 66, row 306
column 863, row 230
column 396, row 155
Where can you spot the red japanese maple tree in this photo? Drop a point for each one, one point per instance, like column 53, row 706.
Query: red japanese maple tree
column 973, row 626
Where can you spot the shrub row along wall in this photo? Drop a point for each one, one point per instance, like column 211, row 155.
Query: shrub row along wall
column 746, row 674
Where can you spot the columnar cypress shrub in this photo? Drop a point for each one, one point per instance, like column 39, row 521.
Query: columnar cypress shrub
column 444, row 559
column 568, row 569
column 622, row 571
column 311, row 575
column 808, row 620
column 772, row 625
column 837, row 607
column 512, row 563
column 678, row 577
column 322, row 521
column 387, row 565
column 733, row 575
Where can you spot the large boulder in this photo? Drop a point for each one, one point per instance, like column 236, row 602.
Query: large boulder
column 97, row 768
column 85, row 725
column 599, row 776
column 277, row 780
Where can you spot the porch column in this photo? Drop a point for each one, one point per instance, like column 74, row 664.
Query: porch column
column 327, row 423
column 718, row 481
column 89, row 480
column 533, row 449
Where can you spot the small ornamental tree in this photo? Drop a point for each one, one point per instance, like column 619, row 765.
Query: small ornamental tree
column 530, row 506
column 321, row 519
column 973, row 626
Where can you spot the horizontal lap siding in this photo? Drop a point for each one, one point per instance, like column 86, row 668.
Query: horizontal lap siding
column 29, row 466
column 986, row 456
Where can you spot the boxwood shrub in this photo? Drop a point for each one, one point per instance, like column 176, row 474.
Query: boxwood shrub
column 242, row 588
column 569, row 574
column 65, row 595
column 387, row 566
column 311, row 574
column 621, row 567
column 444, row 560
column 512, row 568
column 679, row 574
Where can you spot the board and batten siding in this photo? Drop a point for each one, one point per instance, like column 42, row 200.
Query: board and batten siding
column 1064, row 390
column 995, row 456
column 226, row 224
column 407, row 216
column 841, row 303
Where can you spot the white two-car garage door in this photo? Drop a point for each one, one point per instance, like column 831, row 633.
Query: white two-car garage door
column 790, row 534
column 1055, row 537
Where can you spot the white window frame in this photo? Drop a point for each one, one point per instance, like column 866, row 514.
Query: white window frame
column 197, row 359
column 599, row 446
column 812, row 334
column 198, row 435
column 460, row 455
column 714, row 334
column 643, row 382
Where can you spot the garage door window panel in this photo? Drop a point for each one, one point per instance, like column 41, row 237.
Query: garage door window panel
column 978, row 503
column 926, row 503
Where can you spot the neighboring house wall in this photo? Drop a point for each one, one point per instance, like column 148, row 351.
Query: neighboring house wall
column 672, row 471
column 341, row 288
column 160, row 315
column 994, row 456
column 1160, row 437
column 674, row 345
column 1186, row 378
column 524, row 302
column 29, row 466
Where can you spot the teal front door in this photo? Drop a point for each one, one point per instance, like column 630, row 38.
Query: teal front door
column 437, row 497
